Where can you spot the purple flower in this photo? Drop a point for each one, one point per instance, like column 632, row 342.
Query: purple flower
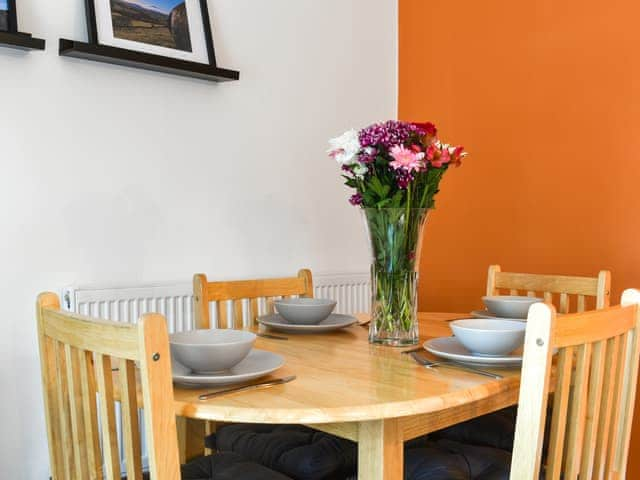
column 387, row 134
column 356, row 199
column 403, row 179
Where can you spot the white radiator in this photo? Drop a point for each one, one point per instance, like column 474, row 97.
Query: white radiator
column 175, row 302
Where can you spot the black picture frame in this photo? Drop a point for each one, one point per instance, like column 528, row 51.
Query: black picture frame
column 11, row 18
column 93, row 34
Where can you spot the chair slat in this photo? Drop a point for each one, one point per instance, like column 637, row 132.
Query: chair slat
column 513, row 292
column 581, row 304
column 531, row 293
column 614, row 427
column 262, row 306
column 269, row 304
column 594, row 406
column 130, row 430
column 604, row 420
column 107, row 417
column 64, row 421
column 49, row 368
column 577, row 411
column 564, row 303
column 238, row 313
column 75, row 409
column 548, row 297
column 89, row 409
column 558, row 421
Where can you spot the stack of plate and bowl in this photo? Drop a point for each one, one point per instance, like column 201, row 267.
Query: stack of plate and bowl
column 494, row 337
column 306, row 315
column 219, row 357
column 506, row 306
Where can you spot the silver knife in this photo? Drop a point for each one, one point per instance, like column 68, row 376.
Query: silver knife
column 268, row 383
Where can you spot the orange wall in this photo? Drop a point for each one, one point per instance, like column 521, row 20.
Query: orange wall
column 545, row 95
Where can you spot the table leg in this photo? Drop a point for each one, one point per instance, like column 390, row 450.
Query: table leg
column 380, row 450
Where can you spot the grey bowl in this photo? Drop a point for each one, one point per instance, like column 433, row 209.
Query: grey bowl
column 489, row 336
column 208, row 351
column 508, row 306
column 305, row 311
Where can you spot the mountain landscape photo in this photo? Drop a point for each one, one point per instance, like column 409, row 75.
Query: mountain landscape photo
column 4, row 16
column 162, row 23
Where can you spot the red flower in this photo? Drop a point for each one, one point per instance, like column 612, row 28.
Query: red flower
column 428, row 128
column 458, row 155
column 442, row 158
column 416, row 148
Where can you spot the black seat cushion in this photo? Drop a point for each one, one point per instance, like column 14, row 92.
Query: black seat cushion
column 449, row 460
column 306, row 454
column 495, row 430
column 228, row 466
column 300, row 452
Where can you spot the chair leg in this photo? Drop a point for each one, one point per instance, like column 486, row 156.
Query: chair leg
column 191, row 433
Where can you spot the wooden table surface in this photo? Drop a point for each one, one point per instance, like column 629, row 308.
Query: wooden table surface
column 370, row 394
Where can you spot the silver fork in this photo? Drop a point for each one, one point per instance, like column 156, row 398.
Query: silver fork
column 429, row 364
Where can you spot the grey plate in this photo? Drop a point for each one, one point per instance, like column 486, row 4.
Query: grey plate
column 483, row 314
column 334, row 321
column 451, row 349
column 257, row 364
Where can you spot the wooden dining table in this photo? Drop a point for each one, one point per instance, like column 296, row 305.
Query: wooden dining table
column 373, row 395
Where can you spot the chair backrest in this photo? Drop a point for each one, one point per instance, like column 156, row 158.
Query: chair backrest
column 236, row 304
column 78, row 357
column 594, row 388
column 556, row 289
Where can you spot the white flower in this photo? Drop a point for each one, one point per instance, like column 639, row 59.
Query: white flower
column 359, row 169
column 345, row 148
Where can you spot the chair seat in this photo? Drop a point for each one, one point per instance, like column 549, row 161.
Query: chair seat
column 303, row 453
column 228, row 466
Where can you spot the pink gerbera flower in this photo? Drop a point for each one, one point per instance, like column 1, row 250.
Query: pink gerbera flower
column 406, row 159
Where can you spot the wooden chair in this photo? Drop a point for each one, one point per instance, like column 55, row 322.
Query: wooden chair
column 77, row 356
column 237, row 303
column 594, row 392
column 557, row 289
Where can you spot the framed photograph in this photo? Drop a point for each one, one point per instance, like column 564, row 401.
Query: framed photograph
column 8, row 20
column 171, row 28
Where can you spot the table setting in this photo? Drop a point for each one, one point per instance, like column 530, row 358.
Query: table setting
column 225, row 357
column 492, row 338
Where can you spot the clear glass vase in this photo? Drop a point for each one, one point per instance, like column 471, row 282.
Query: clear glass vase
column 395, row 235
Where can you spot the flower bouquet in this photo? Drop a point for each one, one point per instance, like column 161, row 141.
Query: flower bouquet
column 395, row 169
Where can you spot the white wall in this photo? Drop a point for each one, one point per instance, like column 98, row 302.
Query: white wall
column 113, row 175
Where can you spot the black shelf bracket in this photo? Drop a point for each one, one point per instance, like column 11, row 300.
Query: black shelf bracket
column 21, row 41
column 146, row 61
